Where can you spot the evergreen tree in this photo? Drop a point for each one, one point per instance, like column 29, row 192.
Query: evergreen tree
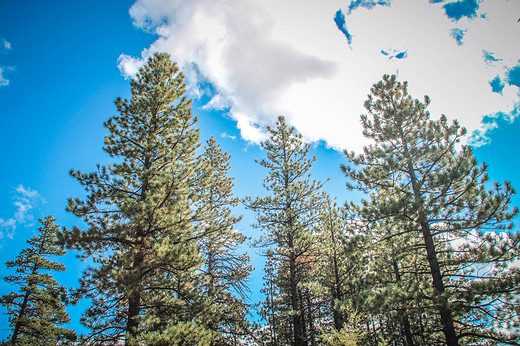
column 392, row 297
column 270, row 308
column 286, row 217
column 348, row 258
column 342, row 262
column 435, row 192
column 140, row 214
column 36, row 311
column 224, row 272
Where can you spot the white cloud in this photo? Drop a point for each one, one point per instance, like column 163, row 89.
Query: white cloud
column 5, row 46
column 25, row 200
column 128, row 65
column 3, row 80
column 8, row 226
column 226, row 135
column 27, row 193
column 271, row 57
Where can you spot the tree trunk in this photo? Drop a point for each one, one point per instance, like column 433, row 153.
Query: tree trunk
column 336, row 291
column 134, row 303
column 20, row 315
column 298, row 330
column 133, row 312
column 448, row 326
column 310, row 319
column 407, row 332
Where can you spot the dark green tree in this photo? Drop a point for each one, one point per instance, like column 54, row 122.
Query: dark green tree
column 286, row 216
column 419, row 177
column 225, row 271
column 140, row 213
column 36, row 311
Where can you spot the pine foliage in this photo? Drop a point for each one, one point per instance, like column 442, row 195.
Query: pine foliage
column 140, row 213
column 224, row 272
column 428, row 191
column 286, row 216
column 36, row 310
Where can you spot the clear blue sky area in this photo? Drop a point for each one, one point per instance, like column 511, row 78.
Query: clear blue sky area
column 61, row 67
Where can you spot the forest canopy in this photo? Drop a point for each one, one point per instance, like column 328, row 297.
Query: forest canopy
column 430, row 255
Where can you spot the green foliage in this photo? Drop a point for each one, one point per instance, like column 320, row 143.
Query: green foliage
column 342, row 254
column 286, row 217
column 224, row 272
column 181, row 334
column 350, row 334
column 437, row 220
column 141, row 214
column 36, row 311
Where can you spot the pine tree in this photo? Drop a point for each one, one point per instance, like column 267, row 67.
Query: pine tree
column 270, row 308
column 140, row 215
column 430, row 187
column 358, row 310
column 341, row 252
column 392, row 295
column 224, row 272
column 37, row 310
column 286, row 217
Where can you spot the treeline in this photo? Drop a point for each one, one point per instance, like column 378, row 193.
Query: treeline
column 428, row 257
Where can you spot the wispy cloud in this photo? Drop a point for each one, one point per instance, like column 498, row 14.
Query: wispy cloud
column 225, row 135
column 25, row 199
column 5, row 46
column 267, row 57
column 3, row 80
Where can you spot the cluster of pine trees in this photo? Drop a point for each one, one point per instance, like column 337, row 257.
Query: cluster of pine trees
column 428, row 257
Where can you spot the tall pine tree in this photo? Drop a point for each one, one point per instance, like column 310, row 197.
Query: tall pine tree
column 37, row 310
column 140, row 213
column 429, row 186
column 286, row 217
column 225, row 271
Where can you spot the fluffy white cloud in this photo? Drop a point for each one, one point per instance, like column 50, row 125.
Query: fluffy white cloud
column 25, row 200
column 273, row 57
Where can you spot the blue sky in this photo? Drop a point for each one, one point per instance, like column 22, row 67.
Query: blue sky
column 63, row 63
